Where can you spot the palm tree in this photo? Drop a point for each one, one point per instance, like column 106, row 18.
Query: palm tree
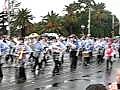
column 22, row 20
column 101, row 20
column 100, row 14
column 89, row 3
column 52, row 22
column 71, row 17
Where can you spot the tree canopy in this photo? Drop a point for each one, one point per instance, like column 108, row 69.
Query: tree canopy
column 76, row 16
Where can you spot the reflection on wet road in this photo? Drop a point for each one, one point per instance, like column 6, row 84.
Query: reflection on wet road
column 66, row 79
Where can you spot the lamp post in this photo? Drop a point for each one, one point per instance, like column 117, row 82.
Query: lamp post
column 89, row 20
column 9, row 25
column 119, row 27
column 113, row 23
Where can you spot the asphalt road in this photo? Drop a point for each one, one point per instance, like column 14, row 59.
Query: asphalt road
column 66, row 80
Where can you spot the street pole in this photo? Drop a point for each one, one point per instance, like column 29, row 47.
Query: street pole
column 89, row 20
column 119, row 27
column 9, row 20
column 113, row 22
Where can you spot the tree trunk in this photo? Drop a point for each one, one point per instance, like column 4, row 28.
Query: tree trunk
column 23, row 32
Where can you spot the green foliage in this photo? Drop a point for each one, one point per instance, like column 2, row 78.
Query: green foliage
column 22, row 20
column 101, row 20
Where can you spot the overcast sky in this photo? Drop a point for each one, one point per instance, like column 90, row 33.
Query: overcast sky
column 41, row 7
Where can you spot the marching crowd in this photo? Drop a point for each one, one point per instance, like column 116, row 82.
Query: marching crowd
column 19, row 51
column 38, row 50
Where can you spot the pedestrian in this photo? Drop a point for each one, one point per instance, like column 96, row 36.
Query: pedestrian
column 22, row 50
column 10, row 55
column 73, row 51
column 100, row 55
column 108, row 55
column 56, row 53
column 37, row 54
column 63, row 48
column 45, row 50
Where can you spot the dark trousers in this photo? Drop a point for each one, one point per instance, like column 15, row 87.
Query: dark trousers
column 22, row 74
column 44, row 59
column 74, row 62
column 37, row 63
column 100, row 59
column 57, row 66
column 9, row 56
column 119, row 52
column 74, row 59
column 109, row 61
column 57, row 62
column 91, row 54
column 86, row 61
column 80, row 56
column 62, row 59
column 1, row 73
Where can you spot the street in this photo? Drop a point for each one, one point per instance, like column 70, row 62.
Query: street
column 78, row 79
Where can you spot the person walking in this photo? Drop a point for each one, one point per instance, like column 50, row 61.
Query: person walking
column 73, row 43
column 56, row 53
column 108, row 55
column 22, row 50
column 37, row 54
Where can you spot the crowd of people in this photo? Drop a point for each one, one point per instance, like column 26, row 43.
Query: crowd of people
column 38, row 50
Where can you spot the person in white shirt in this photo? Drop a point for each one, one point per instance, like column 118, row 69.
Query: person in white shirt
column 74, row 49
column 10, row 55
column 56, row 54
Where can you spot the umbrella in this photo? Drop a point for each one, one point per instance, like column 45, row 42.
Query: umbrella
column 32, row 35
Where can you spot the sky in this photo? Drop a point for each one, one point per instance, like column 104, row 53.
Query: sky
column 42, row 7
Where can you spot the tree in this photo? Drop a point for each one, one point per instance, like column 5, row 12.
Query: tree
column 52, row 22
column 99, row 13
column 89, row 3
column 12, row 11
column 101, row 20
column 71, row 17
column 22, row 20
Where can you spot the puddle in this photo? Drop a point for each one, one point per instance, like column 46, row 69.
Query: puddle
column 72, row 80
column 37, row 89
column 86, row 76
column 99, row 71
column 55, row 84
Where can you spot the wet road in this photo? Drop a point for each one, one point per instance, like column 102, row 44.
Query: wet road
column 66, row 80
